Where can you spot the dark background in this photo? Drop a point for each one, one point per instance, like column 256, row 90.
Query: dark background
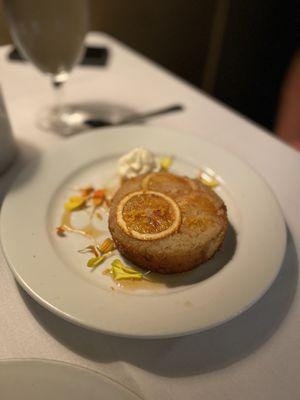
column 236, row 50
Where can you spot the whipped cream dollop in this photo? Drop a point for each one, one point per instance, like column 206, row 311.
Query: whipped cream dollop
column 137, row 162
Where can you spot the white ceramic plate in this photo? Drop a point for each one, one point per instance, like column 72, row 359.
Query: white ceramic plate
column 43, row 379
column 52, row 271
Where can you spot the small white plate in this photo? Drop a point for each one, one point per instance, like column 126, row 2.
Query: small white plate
column 35, row 379
column 52, row 271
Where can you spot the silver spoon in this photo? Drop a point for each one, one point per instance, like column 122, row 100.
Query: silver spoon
column 133, row 118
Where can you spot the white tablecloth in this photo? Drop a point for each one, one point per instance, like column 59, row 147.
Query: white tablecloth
column 255, row 356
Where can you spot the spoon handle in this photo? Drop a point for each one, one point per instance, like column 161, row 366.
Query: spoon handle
column 141, row 116
column 136, row 117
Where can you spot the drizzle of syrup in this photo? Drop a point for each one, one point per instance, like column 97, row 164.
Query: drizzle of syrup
column 89, row 231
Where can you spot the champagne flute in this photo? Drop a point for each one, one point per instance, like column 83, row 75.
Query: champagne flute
column 50, row 34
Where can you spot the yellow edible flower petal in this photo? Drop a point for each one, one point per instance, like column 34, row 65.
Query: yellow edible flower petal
column 208, row 180
column 75, row 202
column 121, row 272
column 106, row 246
column 165, row 163
column 95, row 261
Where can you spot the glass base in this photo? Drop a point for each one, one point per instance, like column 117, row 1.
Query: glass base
column 63, row 121
column 70, row 119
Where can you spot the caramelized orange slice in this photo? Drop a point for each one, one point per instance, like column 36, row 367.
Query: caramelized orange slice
column 148, row 215
column 169, row 184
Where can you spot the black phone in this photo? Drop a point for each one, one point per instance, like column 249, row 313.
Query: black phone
column 93, row 56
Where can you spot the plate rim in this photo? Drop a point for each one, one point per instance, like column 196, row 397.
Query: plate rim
column 68, row 365
column 65, row 314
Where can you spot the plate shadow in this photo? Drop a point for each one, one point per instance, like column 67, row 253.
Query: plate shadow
column 26, row 152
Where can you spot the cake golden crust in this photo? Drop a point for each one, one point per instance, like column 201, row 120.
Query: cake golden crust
column 202, row 228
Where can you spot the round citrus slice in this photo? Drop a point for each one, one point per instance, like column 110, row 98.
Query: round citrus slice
column 168, row 183
column 148, row 215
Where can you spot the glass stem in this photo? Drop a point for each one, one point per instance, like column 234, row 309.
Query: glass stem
column 66, row 120
column 58, row 87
